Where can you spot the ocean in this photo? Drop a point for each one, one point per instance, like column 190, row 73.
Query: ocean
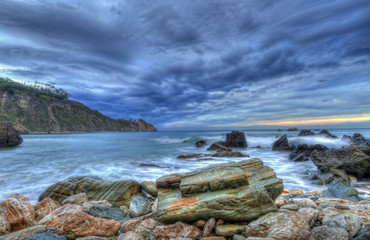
column 42, row 160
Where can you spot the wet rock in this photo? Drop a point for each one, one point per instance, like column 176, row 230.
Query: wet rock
column 178, row 229
column 18, row 212
column 24, row 233
column 78, row 199
column 326, row 134
column 305, row 132
column 281, row 144
column 189, row 156
column 117, row 193
column 200, row 143
column 228, row 230
column 352, row 160
column 132, row 224
column 229, row 154
column 46, row 236
column 219, row 146
column 234, row 192
column 340, row 188
column 309, row 214
column 43, row 208
column 72, row 222
column 348, row 221
column 108, row 213
column 9, row 136
column 329, row 233
column 130, row 236
column 139, row 206
column 208, row 227
column 150, row 188
column 303, row 152
column 280, row 225
column 236, row 139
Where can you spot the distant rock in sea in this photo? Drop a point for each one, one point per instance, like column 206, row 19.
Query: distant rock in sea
column 292, row 129
column 9, row 136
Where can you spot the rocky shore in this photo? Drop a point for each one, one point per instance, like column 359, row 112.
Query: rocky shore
column 239, row 200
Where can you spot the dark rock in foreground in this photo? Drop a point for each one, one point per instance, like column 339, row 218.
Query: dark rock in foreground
column 234, row 192
column 340, row 188
column 281, row 144
column 236, row 139
column 9, row 136
column 303, row 152
column 118, row 193
column 352, row 160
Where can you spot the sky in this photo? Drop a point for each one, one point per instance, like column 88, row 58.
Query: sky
column 198, row 64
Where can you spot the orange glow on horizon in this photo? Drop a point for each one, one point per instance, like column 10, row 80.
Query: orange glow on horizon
column 316, row 121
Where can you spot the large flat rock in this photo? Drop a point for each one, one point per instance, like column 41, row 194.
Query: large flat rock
column 234, row 192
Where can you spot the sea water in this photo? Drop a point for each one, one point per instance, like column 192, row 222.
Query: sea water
column 42, row 160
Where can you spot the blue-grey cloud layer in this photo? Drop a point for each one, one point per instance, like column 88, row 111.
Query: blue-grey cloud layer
column 195, row 64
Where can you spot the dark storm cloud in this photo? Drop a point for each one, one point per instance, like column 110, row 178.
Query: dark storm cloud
column 194, row 64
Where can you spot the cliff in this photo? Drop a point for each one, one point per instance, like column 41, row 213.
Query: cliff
column 43, row 111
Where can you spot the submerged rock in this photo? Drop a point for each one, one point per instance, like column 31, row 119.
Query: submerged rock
column 352, row 160
column 118, row 193
column 9, row 136
column 236, row 139
column 281, row 144
column 234, row 192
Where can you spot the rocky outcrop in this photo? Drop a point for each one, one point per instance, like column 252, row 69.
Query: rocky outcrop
column 9, row 136
column 305, row 132
column 325, row 133
column 219, row 146
column 340, row 188
column 281, row 144
column 200, row 143
column 356, row 139
column 234, row 192
column 118, row 193
column 72, row 222
column 236, row 139
column 303, row 152
column 352, row 160
column 17, row 213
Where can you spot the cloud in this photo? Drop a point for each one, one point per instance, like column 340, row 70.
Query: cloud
column 195, row 64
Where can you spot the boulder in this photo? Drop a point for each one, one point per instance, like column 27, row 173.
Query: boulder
column 303, row 152
column 24, row 233
column 325, row 133
column 236, row 139
column 9, row 136
column 178, row 229
column 348, row 221
column 43, row 208
column 279, row 226
column 309, row 214
column 147, row 227
column 72, row 222
column 200, row 143
column 118, row 193
column 139, row 206
column 329, row 233
column 352, row 160
column 281, row 144
column 305, row 132
column 234, row 192
column 18, row 212
column 219, row 146
column 208, row 227
column 108, row 213
column 340, row 188
column 150, row 188
column 78, row 199
column 133, row 223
